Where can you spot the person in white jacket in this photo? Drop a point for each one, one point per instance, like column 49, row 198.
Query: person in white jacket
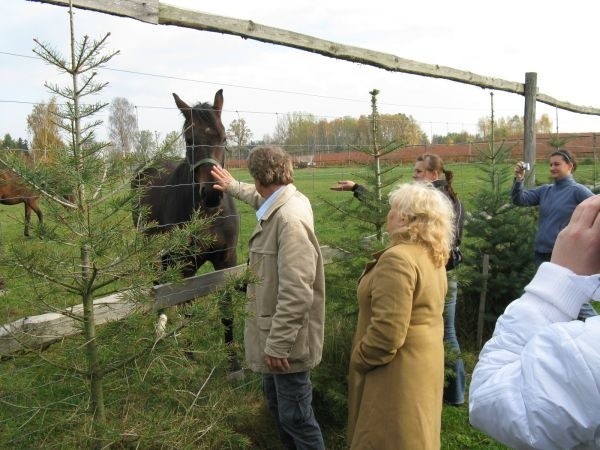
column 537, row 382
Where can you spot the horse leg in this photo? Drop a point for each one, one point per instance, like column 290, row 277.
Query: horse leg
column 37, row 210
column 27, row 218
column 31, row 205
column 189, row 269
column 160, row 327
column 236, row 372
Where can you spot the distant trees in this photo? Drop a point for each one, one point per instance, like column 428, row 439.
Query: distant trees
column 44, row 124
column 122, row 126
column 453, row 138
column 174, row 144
column 240, row 135
column 9, row 143
column 504, row 128
column 300, row 132
column 401, row 129
column 511, row 126
column 149, row 144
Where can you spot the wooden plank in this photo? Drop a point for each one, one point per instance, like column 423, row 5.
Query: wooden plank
column 172, row 294
column 143, row 10
column 38, row 331
column 543, row 98
column 248, row 29
column 171, row 15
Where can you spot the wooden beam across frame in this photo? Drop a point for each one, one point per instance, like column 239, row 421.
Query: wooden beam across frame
column 156, row 12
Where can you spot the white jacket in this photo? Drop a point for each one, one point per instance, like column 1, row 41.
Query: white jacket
column 537, row 382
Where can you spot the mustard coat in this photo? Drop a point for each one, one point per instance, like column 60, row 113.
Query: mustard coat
column 396, row 378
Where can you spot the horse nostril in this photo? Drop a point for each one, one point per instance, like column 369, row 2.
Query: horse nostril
column 212, row 198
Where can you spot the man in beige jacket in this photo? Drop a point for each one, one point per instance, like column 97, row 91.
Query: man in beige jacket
column 283, row 333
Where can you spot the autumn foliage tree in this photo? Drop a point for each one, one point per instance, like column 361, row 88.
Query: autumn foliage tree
column 239, row 135
column 301, row 132
column 44, row 125
column 511, row 126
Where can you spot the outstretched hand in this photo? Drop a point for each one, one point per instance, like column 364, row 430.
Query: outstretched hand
column 345, row 185
column 578, row 244
column 222, row 178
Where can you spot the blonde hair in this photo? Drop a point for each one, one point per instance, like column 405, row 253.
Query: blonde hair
column 428, row 219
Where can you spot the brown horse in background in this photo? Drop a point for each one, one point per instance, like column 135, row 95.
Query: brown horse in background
column 13, row 190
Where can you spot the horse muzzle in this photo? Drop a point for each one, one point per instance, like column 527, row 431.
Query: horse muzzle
column 210, row 198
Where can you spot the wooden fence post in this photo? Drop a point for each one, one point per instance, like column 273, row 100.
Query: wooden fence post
column 529, row 154
column 482, row 298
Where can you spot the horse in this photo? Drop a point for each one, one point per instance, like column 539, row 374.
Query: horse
column 174, row 191
column 13, row 191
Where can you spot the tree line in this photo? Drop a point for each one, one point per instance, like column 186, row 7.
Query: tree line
column 296, row 131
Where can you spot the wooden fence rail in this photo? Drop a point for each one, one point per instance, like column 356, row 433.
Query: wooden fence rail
column 40, row 331
column 156, row 12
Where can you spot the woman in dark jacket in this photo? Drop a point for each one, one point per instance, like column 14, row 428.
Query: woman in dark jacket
column 429, row 167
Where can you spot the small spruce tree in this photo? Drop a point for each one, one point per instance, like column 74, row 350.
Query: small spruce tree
column 371, row 211
column 500, row 230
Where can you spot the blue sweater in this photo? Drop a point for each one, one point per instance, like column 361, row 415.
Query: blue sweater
column 557, row 202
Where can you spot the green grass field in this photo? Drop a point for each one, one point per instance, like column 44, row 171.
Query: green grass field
column 41, row 405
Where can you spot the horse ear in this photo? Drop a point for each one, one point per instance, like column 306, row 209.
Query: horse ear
column 218, row 103
column 183, row 107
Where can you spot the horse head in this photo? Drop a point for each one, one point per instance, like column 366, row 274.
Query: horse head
column 205, row 145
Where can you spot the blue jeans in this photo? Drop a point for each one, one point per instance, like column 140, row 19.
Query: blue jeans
column 289, row 397
column 586, row 310
column 454, row 392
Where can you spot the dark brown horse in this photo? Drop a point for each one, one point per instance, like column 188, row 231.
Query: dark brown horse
column 13, row 190
column 173, row 191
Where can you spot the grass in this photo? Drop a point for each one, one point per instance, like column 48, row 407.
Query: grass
column 175, row 395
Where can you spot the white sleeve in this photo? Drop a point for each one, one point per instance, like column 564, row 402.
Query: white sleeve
column 537, row 382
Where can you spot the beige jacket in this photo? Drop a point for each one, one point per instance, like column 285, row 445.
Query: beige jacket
column 286, row 309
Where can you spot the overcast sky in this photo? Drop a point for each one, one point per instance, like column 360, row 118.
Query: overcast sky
column 261, row 81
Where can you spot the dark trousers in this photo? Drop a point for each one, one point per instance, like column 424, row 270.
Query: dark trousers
column 289, row 397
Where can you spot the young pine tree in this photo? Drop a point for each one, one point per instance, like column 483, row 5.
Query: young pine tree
column 90, row 246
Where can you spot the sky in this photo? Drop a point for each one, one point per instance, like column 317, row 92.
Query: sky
column 262, row 82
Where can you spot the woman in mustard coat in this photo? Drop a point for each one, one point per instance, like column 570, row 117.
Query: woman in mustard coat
column 396, row 378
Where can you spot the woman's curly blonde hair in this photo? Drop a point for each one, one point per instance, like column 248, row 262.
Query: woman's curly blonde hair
column 428, row 219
